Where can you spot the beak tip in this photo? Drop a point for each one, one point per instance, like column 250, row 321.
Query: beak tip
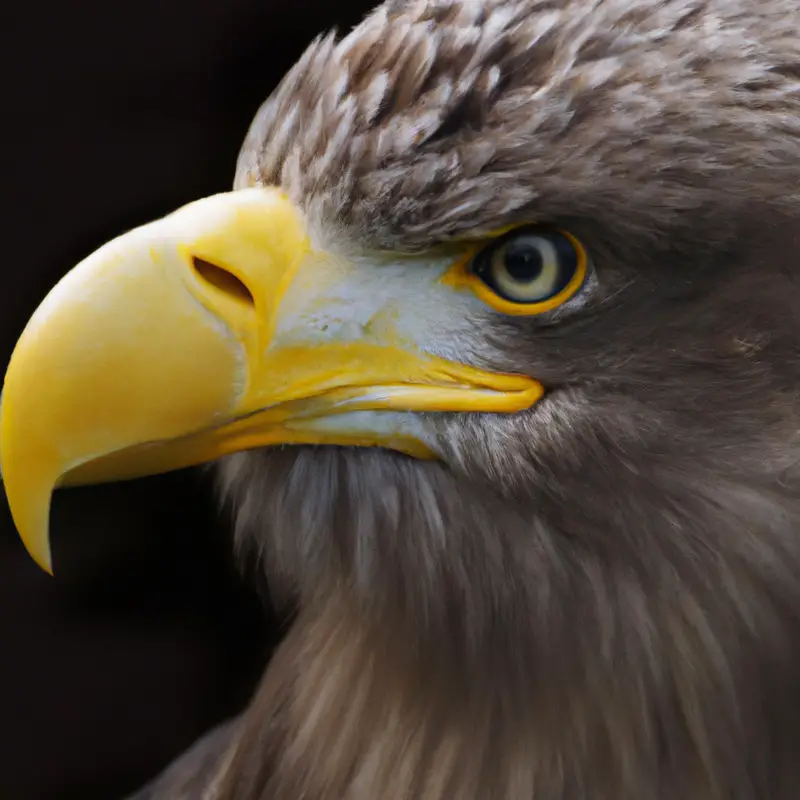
column 45, row 562
column 40, row 554
column 46, row 568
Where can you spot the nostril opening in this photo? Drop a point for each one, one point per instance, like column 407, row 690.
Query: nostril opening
column 222, row 280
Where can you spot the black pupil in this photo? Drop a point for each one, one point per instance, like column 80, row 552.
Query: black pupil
column 523, row 261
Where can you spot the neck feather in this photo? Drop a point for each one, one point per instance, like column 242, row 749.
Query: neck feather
column 651, row 651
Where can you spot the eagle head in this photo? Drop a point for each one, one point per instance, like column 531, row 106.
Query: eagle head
column 496, row 342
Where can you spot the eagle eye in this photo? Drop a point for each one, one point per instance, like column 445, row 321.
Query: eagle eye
column 533, row 269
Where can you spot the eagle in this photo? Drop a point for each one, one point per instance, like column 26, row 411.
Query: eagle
column 494, row 346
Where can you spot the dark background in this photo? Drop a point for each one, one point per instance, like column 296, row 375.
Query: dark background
column 115, row 113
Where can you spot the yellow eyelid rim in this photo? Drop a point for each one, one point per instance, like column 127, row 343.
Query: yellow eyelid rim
column 459, row 276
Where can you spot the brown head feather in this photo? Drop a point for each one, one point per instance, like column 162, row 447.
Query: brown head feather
column 434, row 119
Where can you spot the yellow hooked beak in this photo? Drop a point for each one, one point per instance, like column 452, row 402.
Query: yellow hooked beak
column 188, row 339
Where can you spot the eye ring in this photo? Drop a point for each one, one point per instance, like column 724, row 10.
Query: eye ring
column 528, row 270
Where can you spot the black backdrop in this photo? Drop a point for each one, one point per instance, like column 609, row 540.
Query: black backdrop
column 114, row 113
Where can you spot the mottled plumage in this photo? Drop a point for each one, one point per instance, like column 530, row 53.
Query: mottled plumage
column 599, row 597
